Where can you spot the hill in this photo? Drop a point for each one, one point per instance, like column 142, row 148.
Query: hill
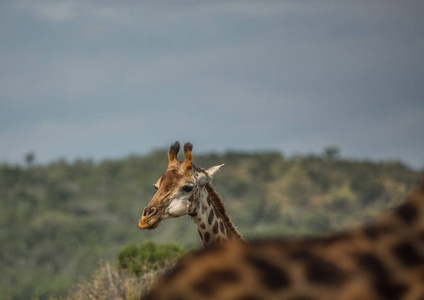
column 58, row 220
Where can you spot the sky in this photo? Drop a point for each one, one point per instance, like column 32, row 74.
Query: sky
column 104, row 79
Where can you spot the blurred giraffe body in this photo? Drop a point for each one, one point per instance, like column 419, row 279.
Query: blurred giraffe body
column 383, row 260
column 185, row 189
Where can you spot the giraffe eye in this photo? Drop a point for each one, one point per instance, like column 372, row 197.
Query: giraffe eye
column 156, row 188
column 187, row 188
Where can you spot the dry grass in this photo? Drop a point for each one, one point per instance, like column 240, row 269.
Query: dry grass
column 110, row 283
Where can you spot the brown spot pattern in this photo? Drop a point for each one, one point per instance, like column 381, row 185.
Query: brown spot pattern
column 407, row 212
column 213, row 280
column 210, row 218
column 221, row 227
column 375, row 231
column 319, row 270
column 215, row 227
column 271, row 276
column 383, row 283
column 408, row 254
column 207, row 237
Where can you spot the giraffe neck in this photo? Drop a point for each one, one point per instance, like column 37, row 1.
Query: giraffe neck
column 210, row 224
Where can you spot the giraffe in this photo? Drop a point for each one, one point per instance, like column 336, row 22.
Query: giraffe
column 379, row 260
column 185, row 189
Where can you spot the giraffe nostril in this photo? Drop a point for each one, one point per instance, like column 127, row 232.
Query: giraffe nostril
column 148, row 212
column 153, row 211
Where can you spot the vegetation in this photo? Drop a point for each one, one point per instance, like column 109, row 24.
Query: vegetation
column 137, row 268
column 148, row 255
column 108, row 282
column 58, row 220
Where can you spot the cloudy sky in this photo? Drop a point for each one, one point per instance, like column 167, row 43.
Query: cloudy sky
column 103, row 79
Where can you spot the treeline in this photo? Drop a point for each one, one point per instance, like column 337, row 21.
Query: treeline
column 57, row 220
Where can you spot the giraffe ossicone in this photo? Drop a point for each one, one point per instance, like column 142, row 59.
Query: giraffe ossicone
column 185, row 189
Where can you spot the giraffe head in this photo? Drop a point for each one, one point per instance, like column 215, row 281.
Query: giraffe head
column 177, row 189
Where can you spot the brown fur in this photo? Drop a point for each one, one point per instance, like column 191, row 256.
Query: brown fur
column 383, row 260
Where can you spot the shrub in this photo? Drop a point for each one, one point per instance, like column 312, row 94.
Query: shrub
column 147, row 256
column 318, row 222
column 107, row 282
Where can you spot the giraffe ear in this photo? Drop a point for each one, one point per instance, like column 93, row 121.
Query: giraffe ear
column 157, row 184
column 212, row 170
column 203, row 178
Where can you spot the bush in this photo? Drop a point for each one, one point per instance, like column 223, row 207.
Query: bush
column 107, row 282
column 318, row 222
column 148, row 255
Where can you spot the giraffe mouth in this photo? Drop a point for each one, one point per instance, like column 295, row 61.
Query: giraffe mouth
column 144, row 223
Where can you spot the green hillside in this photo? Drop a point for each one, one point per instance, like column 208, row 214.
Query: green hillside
column 58, row 220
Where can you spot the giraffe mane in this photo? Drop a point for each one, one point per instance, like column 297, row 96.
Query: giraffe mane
column 219, row 205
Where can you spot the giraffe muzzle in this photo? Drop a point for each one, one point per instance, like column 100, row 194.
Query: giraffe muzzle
column 147, row 221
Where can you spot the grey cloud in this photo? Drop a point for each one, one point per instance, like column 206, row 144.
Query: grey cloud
column 288, row 75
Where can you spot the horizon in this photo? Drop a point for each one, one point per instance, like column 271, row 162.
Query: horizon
column 338, row 156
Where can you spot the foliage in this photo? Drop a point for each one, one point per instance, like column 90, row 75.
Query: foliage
column 137, row 268
column 147, row 255
column 110, row 283
column 57, row 220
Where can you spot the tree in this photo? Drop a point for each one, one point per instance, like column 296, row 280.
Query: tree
column 29, row 159
column 331, row 153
